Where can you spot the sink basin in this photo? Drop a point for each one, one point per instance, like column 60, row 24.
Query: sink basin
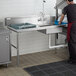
column 51, row 30
column 44, row 25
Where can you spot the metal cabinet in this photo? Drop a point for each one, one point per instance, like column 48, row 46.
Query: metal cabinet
column 5, row 51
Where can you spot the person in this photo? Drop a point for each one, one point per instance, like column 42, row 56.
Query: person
column 70, row 11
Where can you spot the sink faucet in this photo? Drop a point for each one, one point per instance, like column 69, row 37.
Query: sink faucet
column 42, row 17
column 42, row 14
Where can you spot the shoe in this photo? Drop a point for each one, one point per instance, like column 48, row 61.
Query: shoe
column 70, row 61
column 74, row 62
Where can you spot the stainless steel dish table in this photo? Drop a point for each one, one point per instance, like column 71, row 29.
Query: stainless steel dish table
column 50, row 29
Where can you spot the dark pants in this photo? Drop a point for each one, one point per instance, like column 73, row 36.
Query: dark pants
column 72, row 43
column 72, row 51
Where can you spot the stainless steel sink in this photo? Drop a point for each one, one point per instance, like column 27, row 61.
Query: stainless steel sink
column 48, row 21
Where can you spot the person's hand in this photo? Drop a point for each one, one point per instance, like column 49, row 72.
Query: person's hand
column 59, row 22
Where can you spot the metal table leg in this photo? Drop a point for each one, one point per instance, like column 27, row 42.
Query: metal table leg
column 18, row 61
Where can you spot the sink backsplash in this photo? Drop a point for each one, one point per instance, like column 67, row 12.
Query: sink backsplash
column 47, row 20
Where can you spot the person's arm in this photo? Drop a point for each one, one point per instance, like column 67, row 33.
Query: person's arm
column 61, row 19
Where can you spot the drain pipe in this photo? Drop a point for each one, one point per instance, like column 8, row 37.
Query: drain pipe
column 56, row 46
